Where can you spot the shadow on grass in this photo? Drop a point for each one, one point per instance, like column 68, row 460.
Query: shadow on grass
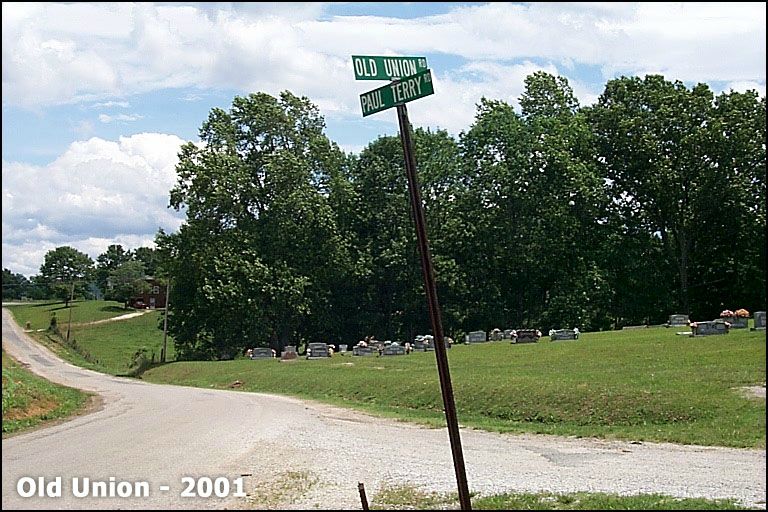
column 46, row 304
column 62, row 307
column 115, row 309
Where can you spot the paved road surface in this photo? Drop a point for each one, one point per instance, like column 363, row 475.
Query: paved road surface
column 305, row 455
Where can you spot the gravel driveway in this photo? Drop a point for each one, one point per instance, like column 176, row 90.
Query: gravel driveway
column 301, row 455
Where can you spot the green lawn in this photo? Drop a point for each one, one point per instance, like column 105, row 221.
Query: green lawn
column 107, row 347
column 644, row 384
column 39, row 313
column 410, row 497
column 639, row 385
column 29, row 400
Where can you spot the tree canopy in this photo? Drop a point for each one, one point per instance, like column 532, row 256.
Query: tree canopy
column 651, row 201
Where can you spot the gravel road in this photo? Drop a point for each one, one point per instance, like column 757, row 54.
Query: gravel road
column 302, row 455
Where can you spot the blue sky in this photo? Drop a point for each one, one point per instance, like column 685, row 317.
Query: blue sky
column 97, row 97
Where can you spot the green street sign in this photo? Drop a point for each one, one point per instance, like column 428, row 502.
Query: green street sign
column 397, row 93
column 371, row 67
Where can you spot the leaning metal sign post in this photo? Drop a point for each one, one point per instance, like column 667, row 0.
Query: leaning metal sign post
column 413, row 80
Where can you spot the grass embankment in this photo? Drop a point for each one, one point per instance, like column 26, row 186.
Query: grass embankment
column 39, row 313
column 412, row 498
column 107, row 347
column 638, row 385
column 30, row 401
column 644, row 384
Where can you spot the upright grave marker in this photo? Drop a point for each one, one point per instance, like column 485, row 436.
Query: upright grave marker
column 759, row 320
column 396, row 94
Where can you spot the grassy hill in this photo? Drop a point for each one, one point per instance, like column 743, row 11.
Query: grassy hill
column 643, row 384
column 647, row 384
column 106, row 347
column 30, row 401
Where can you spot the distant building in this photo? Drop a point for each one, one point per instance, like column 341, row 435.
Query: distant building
column 154, row 297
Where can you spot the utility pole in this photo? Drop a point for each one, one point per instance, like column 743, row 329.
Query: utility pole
column 71, row 299
column 165, row 320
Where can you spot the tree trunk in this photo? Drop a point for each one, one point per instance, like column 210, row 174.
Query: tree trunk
column 684, row 273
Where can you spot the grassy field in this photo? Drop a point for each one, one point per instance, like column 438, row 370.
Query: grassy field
column 29, row 400
column 107, row 347
column 644, row 384
column 410, row 497
column 39, row 313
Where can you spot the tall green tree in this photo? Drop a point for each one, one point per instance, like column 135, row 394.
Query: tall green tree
column 495, row 238
column 256, row 189
column 149, row 258
column 15, row 286
column 106, row 262
column 64, row 268
column 687, row 171
column 126, row 281
column 571, row 200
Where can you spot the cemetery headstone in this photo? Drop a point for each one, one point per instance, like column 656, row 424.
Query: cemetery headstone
column 363, row 351
column 527, row 336
column 393, row 350
column 507, row 334
column 759, row 319
column 477, row 337
column 289, row 353
column 738, row 322
column 709, row 328
column 678, row 320
column 317, row 351
column 564, row 334
column 261, row 353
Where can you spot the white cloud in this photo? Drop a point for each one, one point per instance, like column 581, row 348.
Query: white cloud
column 105, row 118
column 60, row 53
column 98, row 192
column 745, row 86
column 111, row 104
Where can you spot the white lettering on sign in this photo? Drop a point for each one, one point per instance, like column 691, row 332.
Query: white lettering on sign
column 402, row 91
column 399, row 68
column 365, row 70
column 372, row 67
column 359, row 66
column 371, row 101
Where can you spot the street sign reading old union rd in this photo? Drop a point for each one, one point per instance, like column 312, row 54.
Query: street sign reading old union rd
column 397, row 93
column 370, row 67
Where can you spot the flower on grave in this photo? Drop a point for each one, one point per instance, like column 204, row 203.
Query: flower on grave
column 742, row 313
column 693, row 325
column 726, row 312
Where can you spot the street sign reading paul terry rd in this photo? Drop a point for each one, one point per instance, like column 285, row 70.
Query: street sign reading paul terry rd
column 369, row 67
column 397, row 93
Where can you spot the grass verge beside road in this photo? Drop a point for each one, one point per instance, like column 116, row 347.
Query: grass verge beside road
column 639, row 384
column 39, row 313
column 107, row 347
column 648, row 385
column 30, row 401
column 407, row 497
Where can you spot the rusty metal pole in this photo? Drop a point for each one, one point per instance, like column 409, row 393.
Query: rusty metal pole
column 363, row 499
column 434, row 308
column 71, row 300
column 165, row 320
